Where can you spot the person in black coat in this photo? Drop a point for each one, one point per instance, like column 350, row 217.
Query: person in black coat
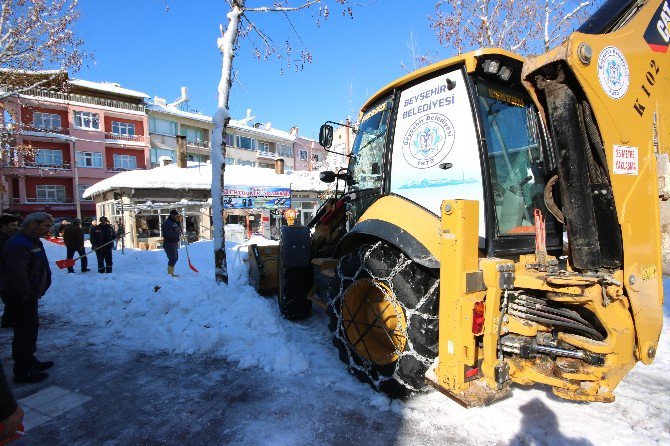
column 73, row 237
column 9, row 224
column 25, row 276
column 171, row 235
column 102, row 237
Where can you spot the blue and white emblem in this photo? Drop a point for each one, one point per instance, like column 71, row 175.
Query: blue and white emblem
column 428, row 141
column 613, row 72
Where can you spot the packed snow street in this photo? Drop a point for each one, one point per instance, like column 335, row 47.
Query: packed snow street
column 163, row 360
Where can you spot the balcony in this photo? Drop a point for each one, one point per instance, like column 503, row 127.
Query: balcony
column 197, row 143
column 30, row 128
column 48, row 94
column 122, row 139
column 34, row 165
column 49, row 200
column 267, row 154
column 123, row 169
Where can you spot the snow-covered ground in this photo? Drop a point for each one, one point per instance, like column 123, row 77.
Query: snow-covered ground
column 140, row 306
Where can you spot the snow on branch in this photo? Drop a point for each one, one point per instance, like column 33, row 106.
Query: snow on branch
column 34, row 36
column 523, row 26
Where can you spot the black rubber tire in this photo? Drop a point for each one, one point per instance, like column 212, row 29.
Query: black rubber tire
column 416, row 289
column 294, row 284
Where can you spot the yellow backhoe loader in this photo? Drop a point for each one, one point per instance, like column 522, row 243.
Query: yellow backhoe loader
column 498, row 221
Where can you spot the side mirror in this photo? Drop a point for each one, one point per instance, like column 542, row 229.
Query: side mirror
column 327, row 176
column 326, row 136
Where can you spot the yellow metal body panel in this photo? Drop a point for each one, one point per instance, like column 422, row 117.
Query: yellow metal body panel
column 623, row 122
column 459, row 256
column 420, row 223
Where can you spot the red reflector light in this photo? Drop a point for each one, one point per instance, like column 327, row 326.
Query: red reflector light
column 478, row 318
column 472, row 372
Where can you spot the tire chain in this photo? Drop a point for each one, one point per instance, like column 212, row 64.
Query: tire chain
column 403, row 262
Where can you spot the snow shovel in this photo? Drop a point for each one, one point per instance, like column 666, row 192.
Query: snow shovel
column 190, row 265
column 69, row 263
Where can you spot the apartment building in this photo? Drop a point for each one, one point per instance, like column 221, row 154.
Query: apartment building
column 170, row 121
column 308, row 154
column 258, row 145
column 69, row 139
column 343, row 141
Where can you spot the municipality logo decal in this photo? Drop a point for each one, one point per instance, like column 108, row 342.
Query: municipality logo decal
column 613, row 72
column 428, row 141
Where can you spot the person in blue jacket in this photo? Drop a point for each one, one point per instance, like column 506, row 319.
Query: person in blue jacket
column 24, row 277
column 171, row 235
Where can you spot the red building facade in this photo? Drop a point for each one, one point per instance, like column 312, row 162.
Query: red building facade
column 62, row 143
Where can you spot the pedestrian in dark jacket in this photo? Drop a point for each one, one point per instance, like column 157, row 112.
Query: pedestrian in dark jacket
column 102, row 237
column 171, row 235
column 9, row 224
column 73, row 237
column 25, row 276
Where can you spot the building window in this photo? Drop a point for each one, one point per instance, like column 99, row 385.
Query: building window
column 125, row 162
column 285, row 150
column 247, row 163
column 47, row 193
column 264, row 146
column 49, row 158
column 46, row 121
column 246, row 143
column 162, row 127
column 192, row 134
column 230, row 139
column 123, row 128
column 81, row 188
column 315, row 157
column 156, row 154
column 87, row 120
column 89, row 159
column 303, row 155
column 230, row 161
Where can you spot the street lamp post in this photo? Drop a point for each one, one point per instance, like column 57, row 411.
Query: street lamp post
column 76, row 180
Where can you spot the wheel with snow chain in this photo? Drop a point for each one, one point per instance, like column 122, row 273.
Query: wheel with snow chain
column 294, row 284
column 383, row 315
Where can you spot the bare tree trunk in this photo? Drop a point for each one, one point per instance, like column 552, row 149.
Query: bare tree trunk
column 226, row 45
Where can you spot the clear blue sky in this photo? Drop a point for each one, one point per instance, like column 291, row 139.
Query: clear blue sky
column 158, row 46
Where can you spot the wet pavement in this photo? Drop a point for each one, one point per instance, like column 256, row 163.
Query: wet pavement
column 113, row 395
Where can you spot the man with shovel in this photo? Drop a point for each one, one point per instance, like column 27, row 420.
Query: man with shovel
column 73, row 236
column 102, row 237
column 171, row 235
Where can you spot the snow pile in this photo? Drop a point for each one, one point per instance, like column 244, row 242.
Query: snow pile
column 198, row 176
column 190, row 314
column 109, row 87
column 140, row 306
column 301, row 180
column 158, row 107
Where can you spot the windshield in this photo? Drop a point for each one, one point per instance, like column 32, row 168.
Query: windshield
column 365, row 166
column 515, row 159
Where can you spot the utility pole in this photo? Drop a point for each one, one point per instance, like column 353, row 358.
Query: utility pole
column 76, row 179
